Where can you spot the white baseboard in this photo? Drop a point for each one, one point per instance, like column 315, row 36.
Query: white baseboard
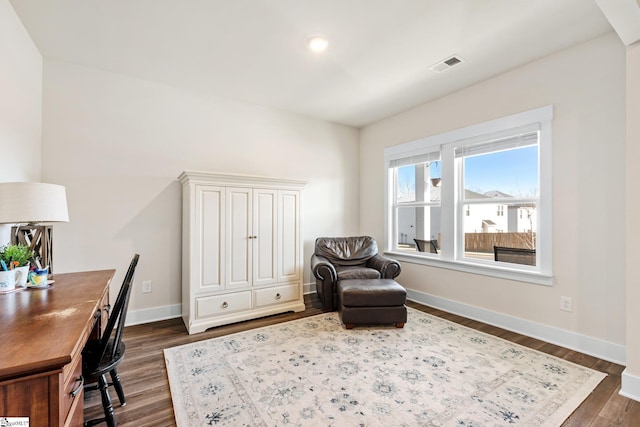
column 155, row 314
column 601, row 349
column 630, row 386
column 308, row 288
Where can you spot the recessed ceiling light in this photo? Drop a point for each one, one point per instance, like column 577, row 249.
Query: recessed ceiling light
column 317, row 43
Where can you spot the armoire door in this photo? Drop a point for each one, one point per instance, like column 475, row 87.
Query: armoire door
column 209, row 248
column 289, row 250
column 239, row 228
column 264, row 236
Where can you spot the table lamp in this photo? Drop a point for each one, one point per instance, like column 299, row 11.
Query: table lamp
column 32, row 204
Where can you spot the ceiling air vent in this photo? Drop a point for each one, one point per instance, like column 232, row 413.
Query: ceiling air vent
column 446, row 64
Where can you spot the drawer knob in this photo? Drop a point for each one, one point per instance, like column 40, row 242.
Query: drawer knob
column 225, row 305
column 278, row 296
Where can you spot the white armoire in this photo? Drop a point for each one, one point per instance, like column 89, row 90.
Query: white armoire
column 241, row 248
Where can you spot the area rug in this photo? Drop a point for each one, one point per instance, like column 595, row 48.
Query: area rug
column 314, row 372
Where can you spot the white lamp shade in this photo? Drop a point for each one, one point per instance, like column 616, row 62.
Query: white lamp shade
column 32, row 202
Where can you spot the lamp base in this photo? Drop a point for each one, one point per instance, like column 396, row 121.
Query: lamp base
column 39, row 238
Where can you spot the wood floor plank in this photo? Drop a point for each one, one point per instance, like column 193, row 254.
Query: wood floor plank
column 620, row 410
column 593, row 405
column 144, row 375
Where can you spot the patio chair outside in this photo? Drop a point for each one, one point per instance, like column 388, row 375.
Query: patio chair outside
column 514, row 255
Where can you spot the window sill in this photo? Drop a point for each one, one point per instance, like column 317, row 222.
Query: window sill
column 534, row 277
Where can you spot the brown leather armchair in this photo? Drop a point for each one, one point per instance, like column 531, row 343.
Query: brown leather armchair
column 339, row 258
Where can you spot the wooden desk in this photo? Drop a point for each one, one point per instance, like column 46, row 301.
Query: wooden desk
column 42, row 334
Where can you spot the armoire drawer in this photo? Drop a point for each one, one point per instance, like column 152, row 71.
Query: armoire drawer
column 277, row 295
column 222, row 304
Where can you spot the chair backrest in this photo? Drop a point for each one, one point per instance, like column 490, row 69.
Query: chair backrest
column 514, row 255
column 118, row 315
column 347, row 250
column 422, row 245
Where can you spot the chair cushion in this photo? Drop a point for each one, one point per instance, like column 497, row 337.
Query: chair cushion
column 371, row 293
column 346, row 250
column 345, row 273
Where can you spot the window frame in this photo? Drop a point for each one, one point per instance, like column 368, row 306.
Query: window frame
column 451, row 254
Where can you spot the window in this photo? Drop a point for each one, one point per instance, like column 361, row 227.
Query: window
column 481, row 194
column 417, row 198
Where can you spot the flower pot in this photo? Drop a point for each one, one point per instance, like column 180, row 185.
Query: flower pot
column 435, row 181
column 7, row 280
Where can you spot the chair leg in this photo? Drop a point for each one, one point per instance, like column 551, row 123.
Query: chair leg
column 109, row 415
column 115, row 380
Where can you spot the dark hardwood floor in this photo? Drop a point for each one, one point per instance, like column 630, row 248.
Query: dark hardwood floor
column 145, row 381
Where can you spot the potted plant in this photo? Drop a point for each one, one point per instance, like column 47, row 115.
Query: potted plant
column 17, row 257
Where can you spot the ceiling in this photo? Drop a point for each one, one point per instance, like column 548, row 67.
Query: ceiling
column 377, row 64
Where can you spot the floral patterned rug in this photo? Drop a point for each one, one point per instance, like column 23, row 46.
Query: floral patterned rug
column 314, row 372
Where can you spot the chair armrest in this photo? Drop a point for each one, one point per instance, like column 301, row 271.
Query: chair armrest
column 388, row 268
column 323, row 269
column 326, row 281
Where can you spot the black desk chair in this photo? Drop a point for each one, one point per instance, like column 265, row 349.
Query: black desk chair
column 104, row 355
column 430, row 246
column 515, row 255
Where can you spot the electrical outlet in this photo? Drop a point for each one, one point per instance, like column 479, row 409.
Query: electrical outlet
column 146, row 287
column 566, row 303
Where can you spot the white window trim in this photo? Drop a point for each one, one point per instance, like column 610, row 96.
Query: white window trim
column 446, row 143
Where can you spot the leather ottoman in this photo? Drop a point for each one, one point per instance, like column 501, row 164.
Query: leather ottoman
column 371, row 302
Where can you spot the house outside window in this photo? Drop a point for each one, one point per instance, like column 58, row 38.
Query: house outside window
column 471, row 190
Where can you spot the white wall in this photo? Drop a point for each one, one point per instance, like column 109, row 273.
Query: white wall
column 20, row 103
column 119, row 143
column 586, row 86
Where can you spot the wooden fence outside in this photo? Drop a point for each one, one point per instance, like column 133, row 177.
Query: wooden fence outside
column 484, row 242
